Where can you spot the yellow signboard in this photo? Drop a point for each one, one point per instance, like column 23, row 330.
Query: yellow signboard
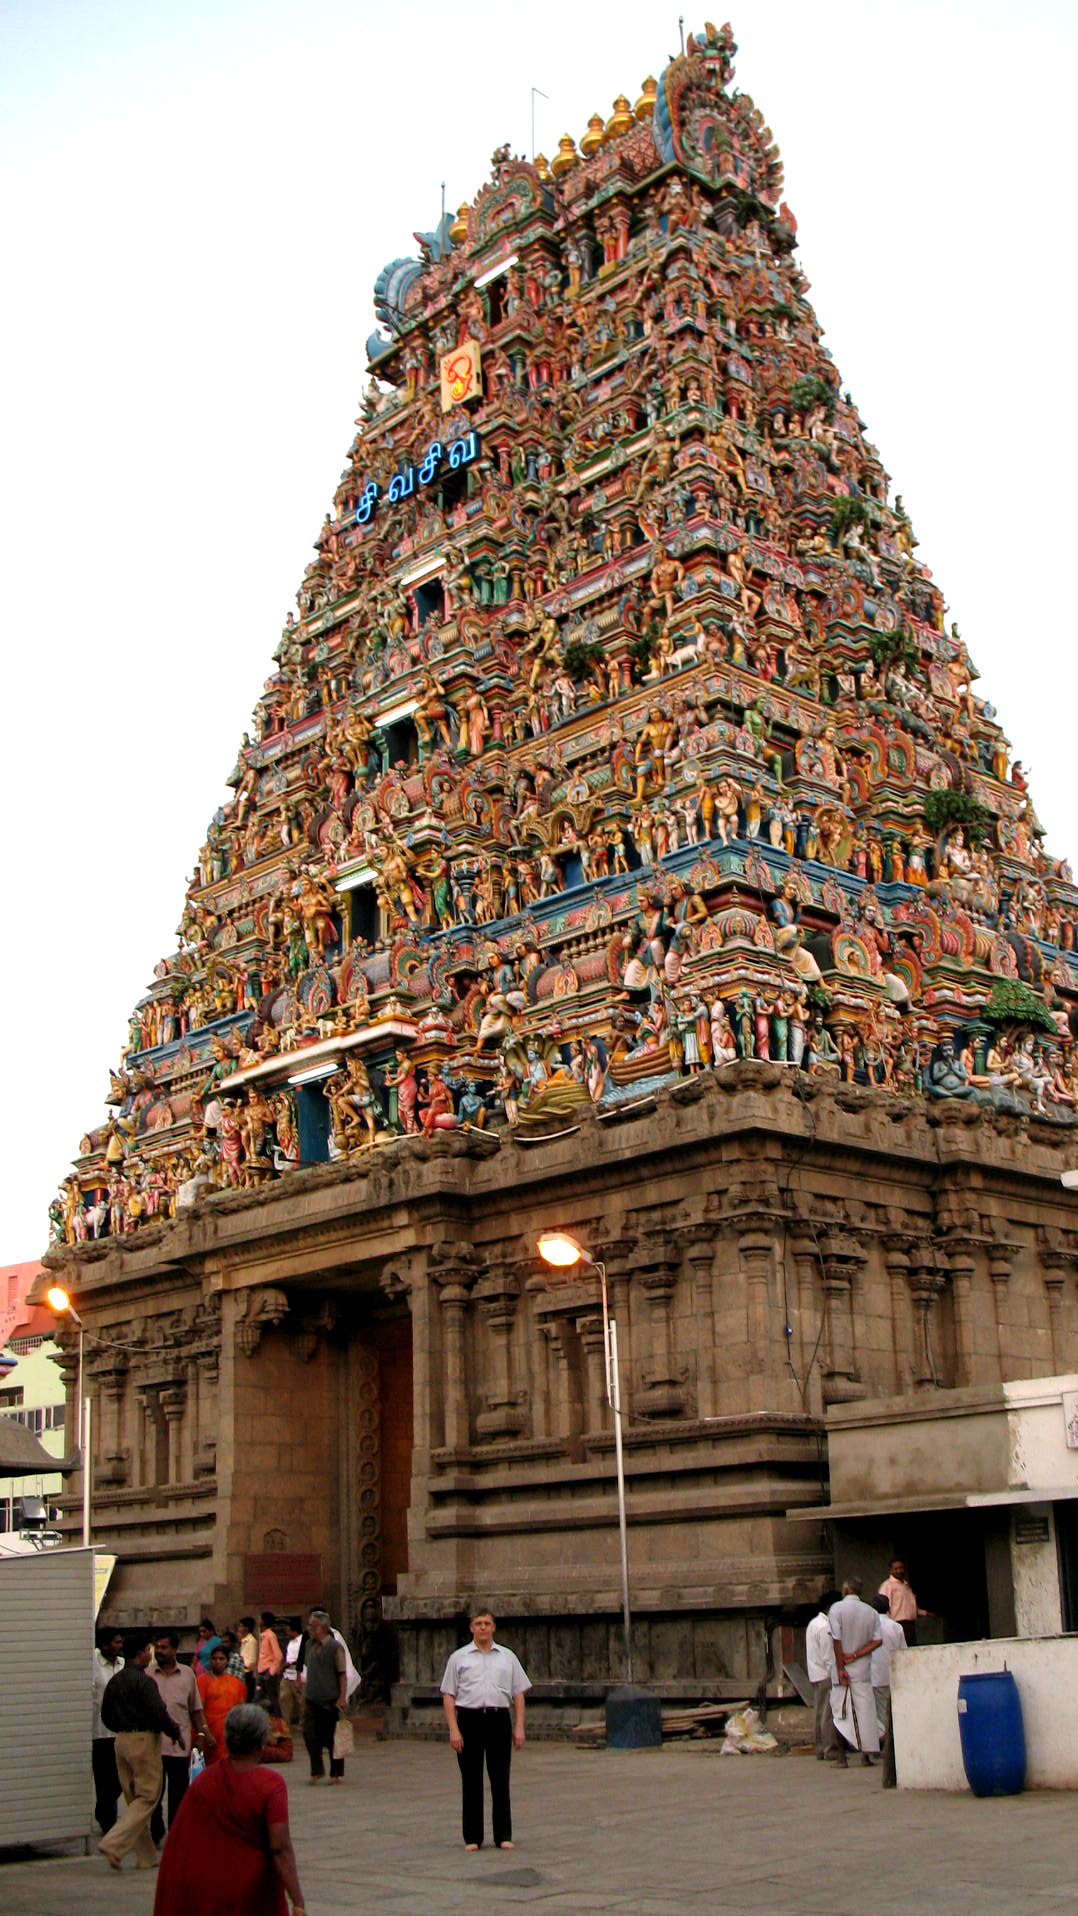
column 104, row 1565
column 462, row 374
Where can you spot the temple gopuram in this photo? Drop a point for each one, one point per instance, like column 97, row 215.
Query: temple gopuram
column 620, row 843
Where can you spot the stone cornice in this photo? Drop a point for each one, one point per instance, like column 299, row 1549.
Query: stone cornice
column 305, row 1225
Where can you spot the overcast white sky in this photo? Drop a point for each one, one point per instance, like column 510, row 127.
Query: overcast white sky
column 195, row 202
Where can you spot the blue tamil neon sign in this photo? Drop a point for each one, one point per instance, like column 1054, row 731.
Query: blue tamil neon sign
column 460, row 453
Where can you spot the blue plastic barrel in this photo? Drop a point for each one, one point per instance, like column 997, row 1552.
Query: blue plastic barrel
column 634, row 1719
column 993, row 1737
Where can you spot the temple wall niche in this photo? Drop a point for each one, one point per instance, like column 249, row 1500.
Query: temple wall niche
column 284, row 1470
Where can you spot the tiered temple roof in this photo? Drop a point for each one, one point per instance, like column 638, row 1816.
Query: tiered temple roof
column 619, row 734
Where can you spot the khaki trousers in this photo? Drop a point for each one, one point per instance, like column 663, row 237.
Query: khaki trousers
column 138, row 1765
column 290, row 1706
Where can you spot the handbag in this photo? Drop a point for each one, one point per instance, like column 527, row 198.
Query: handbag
column 344, row 1741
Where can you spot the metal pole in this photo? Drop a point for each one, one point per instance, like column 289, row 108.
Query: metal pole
column 619, row 1461
column 86, row 1466
column 601, row 1268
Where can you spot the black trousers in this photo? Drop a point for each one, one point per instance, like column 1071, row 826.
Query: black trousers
column 268, row 1693
column 319, row 1723
column 487, row 1734
column 106, row 1781
column 175, row 1778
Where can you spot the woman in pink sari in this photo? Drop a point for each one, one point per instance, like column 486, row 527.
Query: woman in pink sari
column 228, row 1847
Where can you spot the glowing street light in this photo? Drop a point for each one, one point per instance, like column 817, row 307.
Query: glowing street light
column 59, row 1302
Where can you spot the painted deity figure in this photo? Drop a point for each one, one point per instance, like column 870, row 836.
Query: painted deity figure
column 404, row 1083
column 947, row 1077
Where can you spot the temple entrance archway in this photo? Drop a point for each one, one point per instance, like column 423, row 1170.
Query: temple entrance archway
column 375, row 1486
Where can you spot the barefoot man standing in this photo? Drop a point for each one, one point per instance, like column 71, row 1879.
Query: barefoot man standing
column 483, row 1694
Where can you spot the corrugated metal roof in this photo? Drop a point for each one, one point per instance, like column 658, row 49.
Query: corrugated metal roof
column 22, row 1456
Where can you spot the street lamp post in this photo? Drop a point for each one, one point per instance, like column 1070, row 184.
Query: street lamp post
column 562, row 1252
column 59, row 1301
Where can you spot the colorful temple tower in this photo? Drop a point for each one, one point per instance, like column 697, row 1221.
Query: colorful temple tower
column 621, row 842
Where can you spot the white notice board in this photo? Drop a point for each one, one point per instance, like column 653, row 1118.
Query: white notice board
column 46, row 1637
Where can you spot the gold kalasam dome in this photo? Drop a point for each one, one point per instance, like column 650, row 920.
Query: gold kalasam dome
column 645, row 105
column 621, row 119
column 459, row 229
column 592, row 140
column 542, row 166
column 565, row 157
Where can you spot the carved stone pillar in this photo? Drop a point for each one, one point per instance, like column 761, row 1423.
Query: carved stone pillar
column 453, row 1269
column 205, row 1435
column 843, row 1258
column 663, row 1377
column 566, row 1360
column 756, row 1252
column 1000, row 1265
column 806, row 1307
column 454, row 1302
column 68, row 1365
column 700, row 1258
column 173, row 1399
column 925, row 1284
column 1056, row 1266
column 961, row 1264
column 155, row 1443
column 504, row 1412
column 896, row 1252
column 596, row 1412
column 113, row 1467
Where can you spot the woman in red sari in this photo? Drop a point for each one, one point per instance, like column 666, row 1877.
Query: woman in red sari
column 228, row 1848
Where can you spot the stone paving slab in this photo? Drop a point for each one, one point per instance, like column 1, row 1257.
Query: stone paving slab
column 652, row 1833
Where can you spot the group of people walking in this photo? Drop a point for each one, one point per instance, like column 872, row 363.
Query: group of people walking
column 159, row 1722
column 185, row 1739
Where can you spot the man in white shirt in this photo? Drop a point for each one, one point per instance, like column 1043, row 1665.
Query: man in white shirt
column 894, row 1638
column 822, row 1674
column 290, row 1675
column 483, row 1694
column 855, row 1634
column 107, row 1660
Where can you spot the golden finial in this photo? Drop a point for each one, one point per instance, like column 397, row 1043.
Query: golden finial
column 565, row 157
column 621, row 119
column 459, row 229
column 592, row 140
column 645, row 105
column 542, row 166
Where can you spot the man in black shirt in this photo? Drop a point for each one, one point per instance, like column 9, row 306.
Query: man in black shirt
column 132, row 1707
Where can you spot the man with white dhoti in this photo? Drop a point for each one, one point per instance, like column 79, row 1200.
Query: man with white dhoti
column 855, row 1634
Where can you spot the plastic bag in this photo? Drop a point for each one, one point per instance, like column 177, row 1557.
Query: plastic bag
column 744, row 1736
column 196, row 1766
column 344, row 1742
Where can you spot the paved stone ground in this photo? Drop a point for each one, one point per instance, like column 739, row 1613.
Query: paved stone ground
column 649, row 1833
